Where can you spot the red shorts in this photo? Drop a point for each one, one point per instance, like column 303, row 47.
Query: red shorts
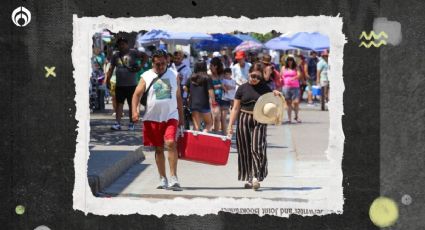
column 154, row 133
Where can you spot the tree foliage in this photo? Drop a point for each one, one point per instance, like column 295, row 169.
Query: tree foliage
column 264, row 37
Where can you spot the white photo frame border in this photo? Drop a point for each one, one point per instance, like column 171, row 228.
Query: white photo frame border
column 85, row 27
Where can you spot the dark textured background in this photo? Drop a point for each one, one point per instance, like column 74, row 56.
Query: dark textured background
column 402, row 114
column 383, row 122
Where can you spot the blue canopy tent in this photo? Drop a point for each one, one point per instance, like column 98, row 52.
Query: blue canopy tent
column 152, row 37
column 310, row 41
column 218, row 42
column 279, row 43
column 181, row 38
column 246, row 37
column 185, row 38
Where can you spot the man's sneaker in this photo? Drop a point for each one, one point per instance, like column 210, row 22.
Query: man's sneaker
column 131, row 126
column 116, row 126
column 174, row 184
column 163, row 183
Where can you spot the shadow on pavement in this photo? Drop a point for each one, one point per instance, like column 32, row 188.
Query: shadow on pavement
column 307, row 122
column 290, row 188
column 127, row 178
column 101, row 134
column 234, row 146
column 262, row 188
column 276, row 146
column 174, row 194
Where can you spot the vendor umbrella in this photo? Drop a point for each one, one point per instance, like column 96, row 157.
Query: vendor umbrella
column 218, row 42
column 185, row 38
column 310, row 41
column 181, row 38
column 153, row 37
column 248, row 46
column 246, row 37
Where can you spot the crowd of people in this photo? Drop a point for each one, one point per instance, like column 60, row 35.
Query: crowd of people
column 178, row 93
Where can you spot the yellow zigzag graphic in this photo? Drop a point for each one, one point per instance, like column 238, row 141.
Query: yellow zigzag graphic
column 372, row 34
column 382, row 42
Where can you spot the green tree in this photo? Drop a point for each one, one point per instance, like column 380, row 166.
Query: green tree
column 264, row 37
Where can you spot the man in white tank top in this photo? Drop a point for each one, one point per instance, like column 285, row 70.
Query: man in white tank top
column 163, row 115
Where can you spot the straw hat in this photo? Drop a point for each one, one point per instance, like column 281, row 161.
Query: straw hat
column 269, row 109
column 290, row 56
column 266, row 59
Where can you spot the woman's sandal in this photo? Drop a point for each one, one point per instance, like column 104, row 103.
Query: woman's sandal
column 248, row 185
column 255, row 184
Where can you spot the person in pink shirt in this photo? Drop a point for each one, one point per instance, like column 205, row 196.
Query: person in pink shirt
column 291, row 87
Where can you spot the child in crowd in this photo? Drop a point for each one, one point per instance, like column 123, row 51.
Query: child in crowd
column 229, row 86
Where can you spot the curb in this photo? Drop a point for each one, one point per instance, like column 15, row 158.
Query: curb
column 100, row 181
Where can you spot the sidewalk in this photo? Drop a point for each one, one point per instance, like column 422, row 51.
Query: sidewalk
column 312, row 135
column 111, row 152
column 297, row 171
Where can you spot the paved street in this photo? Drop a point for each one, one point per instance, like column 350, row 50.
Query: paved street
column 298, row 169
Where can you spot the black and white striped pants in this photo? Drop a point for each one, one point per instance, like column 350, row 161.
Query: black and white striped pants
column 251, row 143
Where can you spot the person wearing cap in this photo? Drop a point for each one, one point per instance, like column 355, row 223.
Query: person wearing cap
column 97, row 80
column 275, row 56
column 291, row 87
column 222, row 58
column 186, row 59
column 125, row 61
column 322, row 78
column 147, row 66
column 227, row 61
column 251, row 133
column 240, row 70
column 163, row 115
column 183, row 72
column 216, row 54
column 270, row 73
column 311, row 75
column 170, row 62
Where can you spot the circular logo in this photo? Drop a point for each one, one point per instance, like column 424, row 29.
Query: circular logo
column 21, row 16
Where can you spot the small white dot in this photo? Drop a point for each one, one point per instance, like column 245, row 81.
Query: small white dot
column 406, row 199
column 42, row 227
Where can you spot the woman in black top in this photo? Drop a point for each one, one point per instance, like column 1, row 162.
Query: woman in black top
column 201, row 93
column 250, row 135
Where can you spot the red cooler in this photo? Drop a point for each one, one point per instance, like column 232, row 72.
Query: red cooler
column 204, row 147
